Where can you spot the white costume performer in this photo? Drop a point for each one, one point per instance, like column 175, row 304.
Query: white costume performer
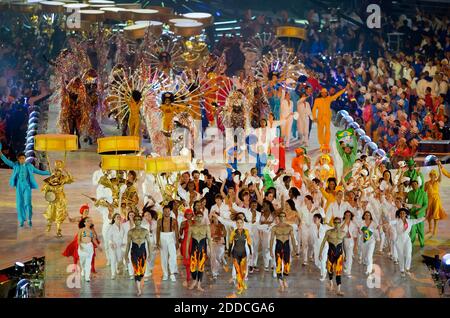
column 86, row 252
column 403, row 241
column 369, row 235
column 306, row 219
column 304, row 115
column 351, row 235
column 168, row 252
column 115, row 242
column 318, row 234
column 104, row 193
column 286, row 118
column 151, row 227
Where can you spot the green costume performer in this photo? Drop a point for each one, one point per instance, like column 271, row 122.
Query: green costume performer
column 348, row 158
column 417, row 196
column 414, row 174
column 267, row 179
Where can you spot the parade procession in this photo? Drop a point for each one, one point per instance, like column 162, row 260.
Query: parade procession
column 204, row 150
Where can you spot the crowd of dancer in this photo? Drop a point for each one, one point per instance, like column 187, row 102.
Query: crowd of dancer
column 254, row 223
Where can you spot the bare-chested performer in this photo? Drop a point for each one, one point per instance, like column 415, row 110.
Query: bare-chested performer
column 335, row 239
column 284, row 234
column 137, row 237
column 167, row 242
column 199, row 233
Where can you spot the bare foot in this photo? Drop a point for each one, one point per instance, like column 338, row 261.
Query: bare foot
column 200, row 288
column 194, row 283
column 185, row 283
column 330, row 287
column 286, row 284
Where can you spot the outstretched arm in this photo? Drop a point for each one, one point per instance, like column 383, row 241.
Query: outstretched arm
column 7, row 162
column 40, row 172
column 338, row 94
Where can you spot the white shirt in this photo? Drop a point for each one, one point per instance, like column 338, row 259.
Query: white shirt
column 318, row 234
column 351, row 230
column 246, row 211
column 223, row 210
column 306, row 216
column 151, row 227
column 116, row 235
column 337, row 210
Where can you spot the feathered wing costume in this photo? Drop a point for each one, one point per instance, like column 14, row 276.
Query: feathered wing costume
column 90, row 81
column 74, row 114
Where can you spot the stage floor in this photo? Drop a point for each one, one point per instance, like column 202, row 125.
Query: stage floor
column 22, row 244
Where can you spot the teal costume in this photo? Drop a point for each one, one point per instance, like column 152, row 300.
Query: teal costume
column 23, row 180
column 420, row 197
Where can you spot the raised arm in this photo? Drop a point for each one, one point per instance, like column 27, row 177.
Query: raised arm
column 338, row 94
column 7, row 162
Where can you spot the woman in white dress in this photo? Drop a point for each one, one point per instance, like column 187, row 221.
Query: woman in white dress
column 304, row 116
column 286, row 116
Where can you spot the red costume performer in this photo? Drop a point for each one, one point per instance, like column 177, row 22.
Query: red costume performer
column 186, row 254
column 279, row 152
column 72, row 248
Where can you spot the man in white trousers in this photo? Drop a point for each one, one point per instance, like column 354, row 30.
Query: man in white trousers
column 167, row 242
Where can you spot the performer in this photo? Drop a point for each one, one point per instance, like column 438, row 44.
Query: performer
column 186, row 253
column 306, row 213
column 130, row 196
column 350, row 230
column 199, row 237
column 286, row 116
column 150, row 223
column 240, row 240
column 218, row 234
column 284, row 234
column 86, row 247
column 403, row 226
column 22, row 178
column 114, row 240
column 74, row 115
column 57, row 208
column 305, row 115
column 90, row 81
column 321, row 114
column 318, row 231
column 300, row 164
column 134, row 103
column 348, row 153
column 137, row 239
column 72, row 249
column 167, row 242
column 334, row 238
column 266, row 220
column 435, row 211
column 369, row 233
column 418, row 201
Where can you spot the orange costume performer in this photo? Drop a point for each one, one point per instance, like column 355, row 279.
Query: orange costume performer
column 321, row 113
column 298, row 164
column 186, row 254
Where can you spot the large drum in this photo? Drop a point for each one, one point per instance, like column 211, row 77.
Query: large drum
column 202, row 17
column 188, row 29
column 136, row 31
column 52, row 6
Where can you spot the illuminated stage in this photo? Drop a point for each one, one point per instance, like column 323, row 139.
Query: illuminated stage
column 22, row 244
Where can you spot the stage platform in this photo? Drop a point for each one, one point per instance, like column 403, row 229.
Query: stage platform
column 21, row 244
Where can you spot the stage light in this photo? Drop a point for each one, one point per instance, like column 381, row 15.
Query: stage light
column 446, row 259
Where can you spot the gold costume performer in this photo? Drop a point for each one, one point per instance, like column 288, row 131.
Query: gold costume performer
column 54, row 192
column 134, row 104
column 435, row 211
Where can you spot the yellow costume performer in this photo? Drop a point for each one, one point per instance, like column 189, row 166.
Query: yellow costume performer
column 134, row 104
column 54, row 192
column 321, row 113
column 435, row 212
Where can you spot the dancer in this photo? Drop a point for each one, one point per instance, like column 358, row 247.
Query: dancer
column 240, row 240
column 306, row 213
column 318, row 231
column 114, row 239
column 418, row 202
column 334, row 238
column 22, row 178
column 305, row 115
column 350, row 230
column 403, row 226
column 57, row 208
column 199, row 237
column 150, row 223
column 286, row 116
column 321, row 114
column 217, row 249
column 167, row 242
column 266, row 221
column 137, row 239
column 86, row 247
column 435, row 211
column 186, row 253
column 369, row 234
column 284, row 234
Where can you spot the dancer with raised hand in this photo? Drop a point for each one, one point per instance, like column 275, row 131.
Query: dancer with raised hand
column 22, row 178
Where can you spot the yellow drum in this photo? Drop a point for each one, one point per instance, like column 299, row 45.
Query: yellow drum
column 123, row 162
column 167, row 164
column 118, row 145
column 55, row 142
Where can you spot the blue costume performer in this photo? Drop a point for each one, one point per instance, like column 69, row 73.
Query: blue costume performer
column 23, row 180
